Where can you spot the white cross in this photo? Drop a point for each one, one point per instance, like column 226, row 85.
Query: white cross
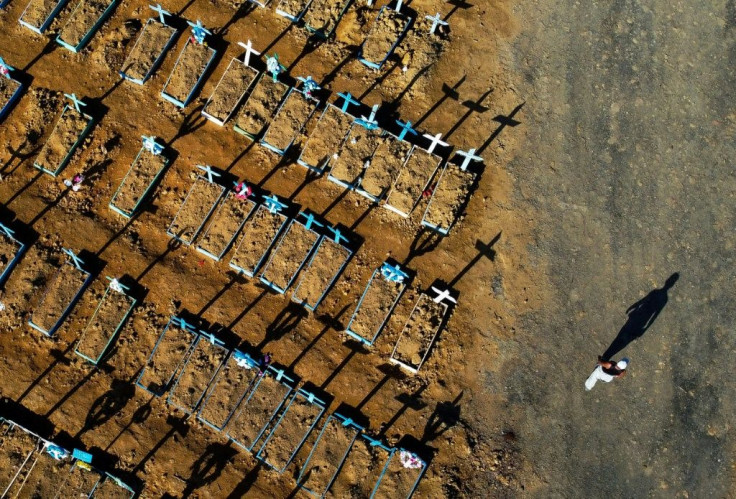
column 443, row 295
column 398, row 5
column 248, row 51
column 160, row 10
column 370, row 123
column 75, row 259
column 435, row 139
column 151, row 145
column 77, row 102
column 436, row 20
column 210, row 173
column 469, row 156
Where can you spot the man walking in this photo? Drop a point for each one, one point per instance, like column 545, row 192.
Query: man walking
column 606, row 371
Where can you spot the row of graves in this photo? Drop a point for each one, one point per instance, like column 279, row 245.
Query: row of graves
column 31, row 466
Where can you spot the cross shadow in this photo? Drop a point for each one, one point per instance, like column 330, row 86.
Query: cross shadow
column 448, row 92
column 47, row 49
column 355, row 348
column 389, row 111
column 247, row 483
column 310, row 177
column 389, row 371
column 425, row 241
column 247, row 309
column 642, row 315
column 410, row 401
column 379, row 81
column 473, row 107
column 234, row 277
column 446, row 415
column 173, row 244
column 21, row 156
column 240, row 13
column 330, row 77
column 192, row 122
column 457, row 4
column 503, row 121
column 286, row 321
column 178, row 425
column 330, row 322
column 141, row 414
column 209, row 466
column 24, row 188
column 59, row 358
column 107, row 405
column 72, row 391
column 484, row 251
column 49, row 206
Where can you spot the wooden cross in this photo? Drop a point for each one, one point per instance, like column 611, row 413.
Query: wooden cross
column 248, row 51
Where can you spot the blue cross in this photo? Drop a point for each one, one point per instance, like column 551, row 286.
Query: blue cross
column 211, row 338
column 75, row 259
column 210, row 173
column 182, row 323
column 273, row 204
column 274, row 67
column 370, row 122
column 199, row 31
column 309, row 85
column 7, row 231
column 337, row 235
column 393, row 272
column 151, row 145
column 347, row 422
column 279, row 374
column 243, row 358
column 77, row 102
column 405, row 128
column 347, row 100
column 310, row 220
column 160, row 10
column 5, row 68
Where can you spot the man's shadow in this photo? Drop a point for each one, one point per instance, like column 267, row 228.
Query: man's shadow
column 642, row 315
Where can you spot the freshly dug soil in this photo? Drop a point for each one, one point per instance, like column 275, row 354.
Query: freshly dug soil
column 376, row 305
column 38, row 11
column 225, row 224
column 58, row 295
column 259, row 233
column 326, row 138
column 420, row 330
column 62, row 140
column 196, row 375
column 82, row 20
column 328, row 454
column 142, row 173
column 149, row 46
column 413, row 179
column 79, row 483
column 449, row 195
column 325, row 265
column 384, row 33
column 169, row 353
column 360, row 472
column 230, row 90
column 357, row 148
column 323, row 15
column 292, row 7
column 41, row 481
column 287, row 437
column 197, row 206
column 192, row 63
column 110, row 490
column 232, row 383
column 256, row 412
column 290, row 120
column 15, row 446
column 291, row 253
column 8, row 250
column 385, row 165
column 112, row 310
column 263, row 102
column 7, row 88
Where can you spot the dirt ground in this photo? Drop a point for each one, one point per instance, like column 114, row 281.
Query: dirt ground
column 607, row 132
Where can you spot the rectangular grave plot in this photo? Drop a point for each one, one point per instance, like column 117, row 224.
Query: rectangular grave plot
column 107, row 320
column 398, row 482
column 323, row 16
column 418, row 334
column 356, row 150
column 257, row 411
column 224, row 225
column 328, row 453
column 196, row 209
column 148, row 51
column 112, row 488
column 374, row 308
column 328, row 260
column 10, row 91
column 233, row 382
column 361, row 470
column 17, row 448
column 386, row 32
column 229, row 91
column 59, row 298
column 289, row 256
column 42, row 478
column 170, row 351
column 324, row 141
column 260, row 106
column 289, row 121
column 67, row 134
column 293, row 10
column 258, row 236
column 79, row 482
column 39, row 14
column 449, row 196
column 198, row 372
column 385, row 166
column 414, row 178
column 291, row 430
column 10, row 251
column 86, row 17
column 138, row 182
column 188, row 73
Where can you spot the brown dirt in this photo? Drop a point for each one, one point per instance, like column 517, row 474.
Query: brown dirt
column 385, row 165
column 383, row 35
column 256, row 412
column 290, row 120
column 398, row 481
column 43, row 479
column 375, row 307
column 293, row 249
column 360, row 472
column 414, row 177
column 328, row 454
column 197, row 205
column 227, row 390
column 169, row 353
column 325, row 264
column 416, row 339
column 108, row 489
column 258, row 233
column 8, row 250
column 195, row 377
column 292, row 7
column 83, row 18
column 38, row 11
column 291, row 430
column 147, row 49
column 15, row 446
column 7, row 89
column 325, row 139
column 113, row 309
column 357, row 148
column 192, row 62
column 261, row 105
column 58, row 295
column 323, row 15
column 225, row 223
column 134, row 186
column 230, row 90
column 79, row 483
column 65, row 134
column 449, row 195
